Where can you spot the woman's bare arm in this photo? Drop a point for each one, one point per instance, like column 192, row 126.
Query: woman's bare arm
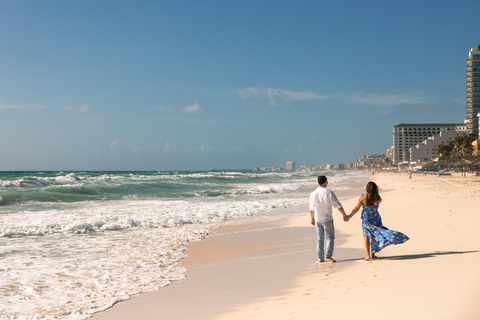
column 358, row 206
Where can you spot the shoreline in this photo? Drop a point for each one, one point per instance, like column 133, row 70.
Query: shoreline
column 263, row 270
column 215, row 252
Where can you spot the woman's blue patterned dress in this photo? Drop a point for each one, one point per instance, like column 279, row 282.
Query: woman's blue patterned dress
column 379, row 235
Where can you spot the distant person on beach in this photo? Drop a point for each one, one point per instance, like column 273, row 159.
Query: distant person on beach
column 321, row 202
column 410, row 174
column 375, row 235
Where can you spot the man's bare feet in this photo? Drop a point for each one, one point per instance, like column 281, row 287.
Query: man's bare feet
column 374, row 256
column 367, row 259
column 331, row 260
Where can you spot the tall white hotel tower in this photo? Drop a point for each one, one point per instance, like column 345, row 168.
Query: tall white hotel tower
column 473, row 92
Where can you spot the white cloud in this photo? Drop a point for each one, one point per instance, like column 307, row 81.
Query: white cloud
column 19, row 106
column 169, row 147
column 115, row 144
column 82, row 109
column 172, row 148
column 135, row 149
column 118, row 146
column 202, row 148
column 244, row 93
column 387, row 100
column 194, row 108
column 281, row 97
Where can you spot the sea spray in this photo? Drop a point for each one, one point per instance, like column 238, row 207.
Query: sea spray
column 75, row 243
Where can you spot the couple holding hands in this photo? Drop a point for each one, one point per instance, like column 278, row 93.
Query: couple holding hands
column 375, row 235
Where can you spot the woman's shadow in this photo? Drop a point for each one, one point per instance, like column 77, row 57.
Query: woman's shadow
column 425, row 255
column 415, row 256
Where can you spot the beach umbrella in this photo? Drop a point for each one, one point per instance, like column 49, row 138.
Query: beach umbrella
column 436, row 164
column 462, row 162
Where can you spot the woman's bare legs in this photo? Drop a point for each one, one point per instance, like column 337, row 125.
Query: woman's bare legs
column 371, row 250
column 368, row 247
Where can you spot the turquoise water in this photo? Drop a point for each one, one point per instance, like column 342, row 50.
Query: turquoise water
column 75, row 243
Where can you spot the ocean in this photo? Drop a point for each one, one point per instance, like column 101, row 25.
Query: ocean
column 75, row 243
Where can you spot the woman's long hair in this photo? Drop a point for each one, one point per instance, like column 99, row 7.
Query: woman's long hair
column 372, row 197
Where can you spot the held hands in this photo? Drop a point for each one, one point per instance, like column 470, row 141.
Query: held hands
column 346, row 218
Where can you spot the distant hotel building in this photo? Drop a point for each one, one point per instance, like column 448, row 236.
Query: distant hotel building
column 406, row 136
column 290, row 166
column 428, row 150
column 473, row 92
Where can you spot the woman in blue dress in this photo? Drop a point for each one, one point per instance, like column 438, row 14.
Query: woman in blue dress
column 375, row 235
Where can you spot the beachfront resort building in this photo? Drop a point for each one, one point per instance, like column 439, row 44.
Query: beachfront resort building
column 408, row 136
column 428, row 150
column 390, row 154
column 473, row 92
column 370, row 160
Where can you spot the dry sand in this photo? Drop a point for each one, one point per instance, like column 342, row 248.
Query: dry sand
column 268, row 270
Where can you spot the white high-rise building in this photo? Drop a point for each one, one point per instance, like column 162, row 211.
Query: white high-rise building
column 290, row 166
column 406, row 136
column 473, row 92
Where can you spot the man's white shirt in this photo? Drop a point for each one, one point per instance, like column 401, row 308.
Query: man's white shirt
column 321, row 201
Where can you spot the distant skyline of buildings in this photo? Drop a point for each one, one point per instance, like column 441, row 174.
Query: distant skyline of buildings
column 366, row 162
column 289, row 166
column 419, row 142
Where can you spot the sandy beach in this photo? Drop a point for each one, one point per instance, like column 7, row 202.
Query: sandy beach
column 268, row 270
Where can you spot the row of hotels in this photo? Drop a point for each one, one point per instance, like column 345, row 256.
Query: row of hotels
column 418, row 143
column 289, row 166
column 367, row 161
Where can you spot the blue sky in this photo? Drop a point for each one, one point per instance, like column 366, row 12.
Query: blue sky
column 198, row 85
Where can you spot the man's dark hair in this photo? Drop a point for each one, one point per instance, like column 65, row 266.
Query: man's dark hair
column 322, row 180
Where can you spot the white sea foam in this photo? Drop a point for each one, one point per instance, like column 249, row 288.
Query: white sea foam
column 11, row 183
column 72, row 272
column 61, row 178
column 74, row 277
column 68, row 260
column 129, row 214
column 266, row 188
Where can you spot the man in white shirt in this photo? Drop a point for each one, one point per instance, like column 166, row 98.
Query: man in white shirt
column 321, row 202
